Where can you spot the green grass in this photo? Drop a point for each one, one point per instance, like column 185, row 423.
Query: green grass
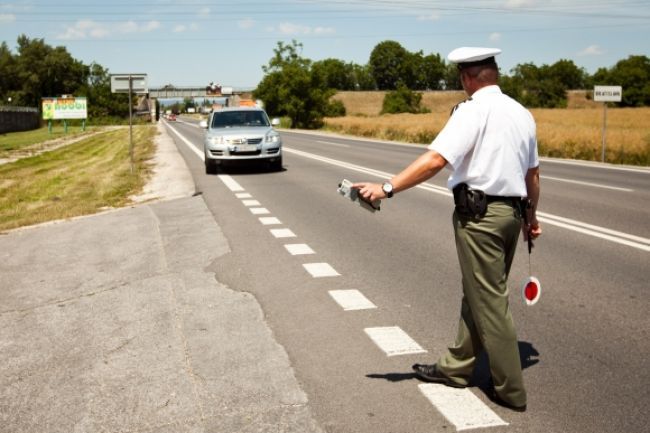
column 17, row 141
column 78, row 179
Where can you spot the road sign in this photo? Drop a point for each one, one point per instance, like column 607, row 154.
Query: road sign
column 122, row 83
column 608, row 93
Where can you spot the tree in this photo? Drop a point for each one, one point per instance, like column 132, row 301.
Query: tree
column 7, row 77
column 568, row 74
column 45, row 71
column 386, row 64
column 335, row 73
column 633, row 74
column 290, row 88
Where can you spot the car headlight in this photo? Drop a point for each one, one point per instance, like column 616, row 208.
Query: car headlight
column 272, row 137
column 216, row 140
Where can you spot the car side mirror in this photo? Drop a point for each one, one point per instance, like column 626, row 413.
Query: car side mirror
column 203, row 124
column 275, row 122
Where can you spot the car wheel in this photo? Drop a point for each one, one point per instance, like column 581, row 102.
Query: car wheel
column 210, row 167
column 276, row 165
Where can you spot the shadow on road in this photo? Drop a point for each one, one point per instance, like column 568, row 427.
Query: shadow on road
column 481, row 376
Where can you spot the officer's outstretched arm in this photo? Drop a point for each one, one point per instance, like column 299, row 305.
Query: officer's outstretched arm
column 423, row 168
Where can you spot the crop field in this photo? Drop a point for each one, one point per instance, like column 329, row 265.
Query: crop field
column 574, row 132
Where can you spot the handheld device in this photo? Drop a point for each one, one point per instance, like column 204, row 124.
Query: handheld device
column 346, row 190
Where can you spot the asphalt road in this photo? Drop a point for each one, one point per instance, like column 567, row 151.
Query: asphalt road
column 584, row 345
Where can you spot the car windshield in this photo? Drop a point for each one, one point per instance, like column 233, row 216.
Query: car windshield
column 230, row 119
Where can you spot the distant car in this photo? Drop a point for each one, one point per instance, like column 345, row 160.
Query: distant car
column 241, row 135
column 171, row 117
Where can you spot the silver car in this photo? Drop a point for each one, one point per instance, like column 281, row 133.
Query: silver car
column 241, row 135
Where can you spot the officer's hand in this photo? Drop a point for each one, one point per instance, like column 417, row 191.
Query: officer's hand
column 370, row 191
column 533, row 229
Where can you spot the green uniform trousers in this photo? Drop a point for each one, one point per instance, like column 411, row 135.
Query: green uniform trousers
column 486, row 247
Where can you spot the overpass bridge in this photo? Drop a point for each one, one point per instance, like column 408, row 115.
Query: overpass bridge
column 169, row 91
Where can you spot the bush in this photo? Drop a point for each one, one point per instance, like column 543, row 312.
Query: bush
column 335, row 109
column 402, row 100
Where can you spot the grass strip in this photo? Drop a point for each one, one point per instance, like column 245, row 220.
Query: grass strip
column 78, row 179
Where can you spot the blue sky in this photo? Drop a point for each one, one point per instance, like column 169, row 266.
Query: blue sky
column 194, row 42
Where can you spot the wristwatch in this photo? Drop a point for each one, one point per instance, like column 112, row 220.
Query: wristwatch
column 387, row 187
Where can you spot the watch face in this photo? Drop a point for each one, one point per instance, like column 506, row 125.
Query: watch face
column 387, row 187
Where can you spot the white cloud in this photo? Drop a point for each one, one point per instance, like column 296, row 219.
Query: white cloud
column 246, row 23
column 592, row 50
column 84, row 29
column 429, row 17
column 7, row 18
column 204, row 12
column 299, row 29
column 495, row 37
column 89, row 29
column 179, row 28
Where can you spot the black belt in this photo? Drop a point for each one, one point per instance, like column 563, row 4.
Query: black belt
column 510, row 200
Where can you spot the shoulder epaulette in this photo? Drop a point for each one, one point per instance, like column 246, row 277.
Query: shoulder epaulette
column 455, row 107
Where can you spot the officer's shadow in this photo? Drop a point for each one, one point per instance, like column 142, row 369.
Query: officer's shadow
column 528, row 356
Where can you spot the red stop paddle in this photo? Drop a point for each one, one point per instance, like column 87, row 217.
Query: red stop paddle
column 531, row 290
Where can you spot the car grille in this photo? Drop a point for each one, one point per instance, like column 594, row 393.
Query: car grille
column 273, row 150
column 254, row 152
column 254, row 140
column 216, row 152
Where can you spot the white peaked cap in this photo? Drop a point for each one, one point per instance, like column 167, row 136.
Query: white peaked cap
column 472, row 54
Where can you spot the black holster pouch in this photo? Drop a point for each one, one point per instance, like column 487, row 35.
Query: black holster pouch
column 470, row 202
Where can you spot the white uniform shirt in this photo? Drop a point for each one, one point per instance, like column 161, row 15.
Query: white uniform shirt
column 490, row 144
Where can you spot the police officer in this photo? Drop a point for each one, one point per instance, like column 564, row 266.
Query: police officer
column 490, row 145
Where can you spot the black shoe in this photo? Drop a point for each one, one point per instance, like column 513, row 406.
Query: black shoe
column 430, row 373
column 496, row 399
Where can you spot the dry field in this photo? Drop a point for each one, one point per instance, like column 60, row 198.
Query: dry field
column 574, row 132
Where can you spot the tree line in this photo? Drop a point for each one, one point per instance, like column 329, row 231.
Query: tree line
column 300, row 88
column 39, row 70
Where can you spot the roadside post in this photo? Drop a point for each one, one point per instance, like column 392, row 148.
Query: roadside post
column 607, row 94
column 129, row 83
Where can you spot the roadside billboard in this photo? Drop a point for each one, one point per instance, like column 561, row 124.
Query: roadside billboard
column 64, row 108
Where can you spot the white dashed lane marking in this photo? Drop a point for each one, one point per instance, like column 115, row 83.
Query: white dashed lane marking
column 459, row 406
column 394, row 341
column 299, row 249
column 269, row 221
column 283, row 233
column 318, row 270
column 351, row 300
column 230, row 183
column 462, row 408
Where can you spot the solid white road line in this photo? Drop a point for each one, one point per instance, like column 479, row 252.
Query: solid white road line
column 595, row 185
column 576, row 226
column 320, row 270
column 299, row 249
column 259, row 210
column 462, row 408
column 250, row 202
column 283, row 233
column 393, row 341
column 269, row 221
column 351, row 300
